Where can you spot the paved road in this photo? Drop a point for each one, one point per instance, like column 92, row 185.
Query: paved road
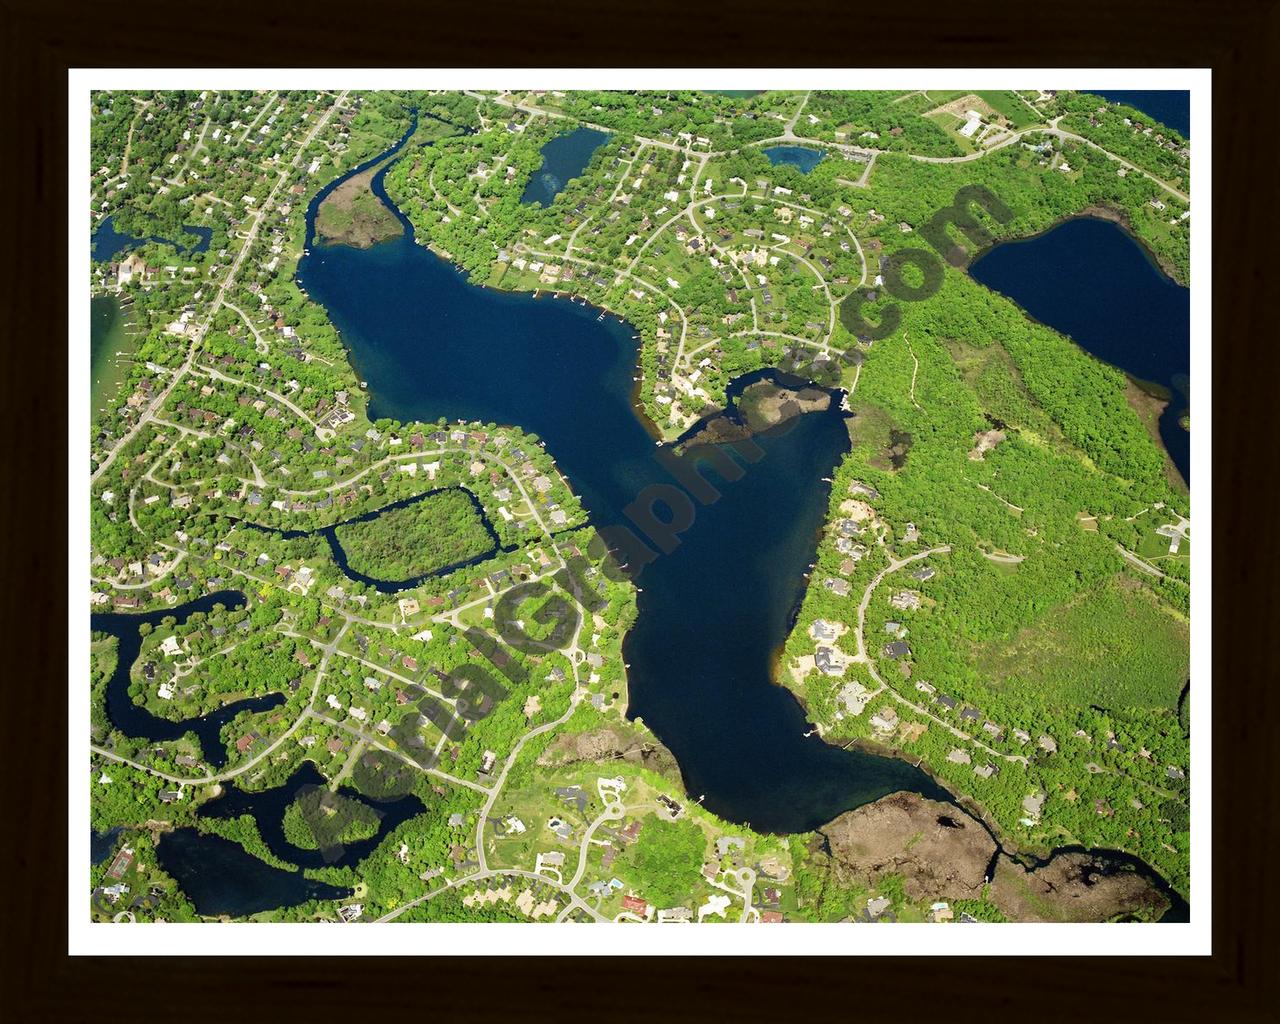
column 1146, row 567
column 227, row 282
column 1051, row 129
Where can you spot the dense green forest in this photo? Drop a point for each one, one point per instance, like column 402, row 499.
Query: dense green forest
column 667, row 857
column 442, row 529
column 305, row 820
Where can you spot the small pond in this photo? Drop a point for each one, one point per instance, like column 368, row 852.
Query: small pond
column 796, row 156
column 563, row 158
column 108, row 243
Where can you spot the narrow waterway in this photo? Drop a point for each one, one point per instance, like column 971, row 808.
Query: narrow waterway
column 136, row 721
column 108, row 242
column 268, row 807
column 330, row 534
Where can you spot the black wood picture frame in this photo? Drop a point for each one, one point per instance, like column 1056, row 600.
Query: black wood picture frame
column 1238, row 39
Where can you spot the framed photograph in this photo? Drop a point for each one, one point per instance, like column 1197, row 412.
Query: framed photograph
column 641, row 506
column 560, row 511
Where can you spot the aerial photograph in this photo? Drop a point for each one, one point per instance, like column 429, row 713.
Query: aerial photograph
column 635, row 506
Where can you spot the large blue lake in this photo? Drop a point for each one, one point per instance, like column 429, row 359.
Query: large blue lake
column 713, row 612
column 1168, row 106
column 563, row 159
column 1090, row 279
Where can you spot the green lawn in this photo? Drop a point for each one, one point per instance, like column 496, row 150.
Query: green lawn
column 1155, row 548
column 1011, row 105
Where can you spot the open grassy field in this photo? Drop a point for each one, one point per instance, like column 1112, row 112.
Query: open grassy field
column 1011, row 105
column 1114, row 646
column 1155, row 549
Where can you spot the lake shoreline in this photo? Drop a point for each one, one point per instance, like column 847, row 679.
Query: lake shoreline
column 1095, row 211
column 1026, row 290
column 368, row 227
column 1028, row 856
column 110, row 367
column 850, row 779
column 1150, row 401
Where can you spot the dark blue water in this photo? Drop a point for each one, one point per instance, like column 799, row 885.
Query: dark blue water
column 219, row 877
column 329, row 533
column 714, row 611
column 797, row 156
column 136, row 721
column 108, row 243
column 563, row 158
column 268, row 807
column 103, row 844
column 1091, row 280
column 1171, row 107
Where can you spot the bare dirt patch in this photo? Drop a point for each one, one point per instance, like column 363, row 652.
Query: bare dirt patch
column 942, row 853
column 906, row 834
column 610, row 744
column 352, row 215
column 985, row 441
column 960, row 107
column 1071, row 887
